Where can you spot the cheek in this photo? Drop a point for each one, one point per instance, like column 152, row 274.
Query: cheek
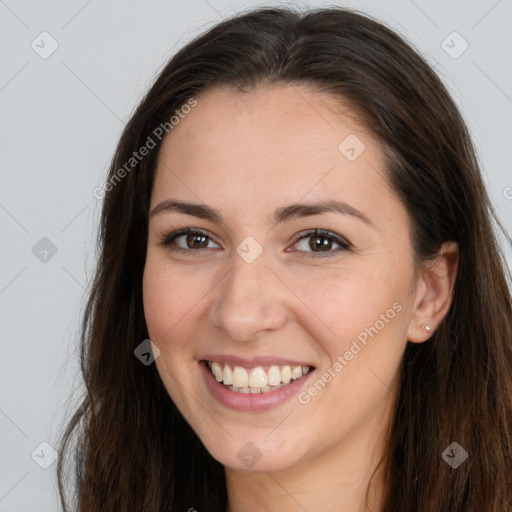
column 360, row 316
column 162, row 305
column 169, row 299
column 168, row 306
column 345, row 301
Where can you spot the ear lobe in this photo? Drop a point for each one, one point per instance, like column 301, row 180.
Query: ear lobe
column 435, row 291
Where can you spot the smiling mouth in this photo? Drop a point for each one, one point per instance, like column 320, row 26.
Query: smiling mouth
column 260, row 379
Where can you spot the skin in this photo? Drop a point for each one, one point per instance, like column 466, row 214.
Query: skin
column 246, row 154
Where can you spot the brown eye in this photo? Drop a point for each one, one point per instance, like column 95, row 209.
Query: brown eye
column 321, row 242
column 187, row 240
column 196, row 241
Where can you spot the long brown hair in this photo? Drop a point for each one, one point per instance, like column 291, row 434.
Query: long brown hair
column 134, row 451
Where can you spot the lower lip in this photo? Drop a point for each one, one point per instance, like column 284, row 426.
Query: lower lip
column 249, row 401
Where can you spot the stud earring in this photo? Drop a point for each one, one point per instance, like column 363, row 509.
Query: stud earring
column 426, row 327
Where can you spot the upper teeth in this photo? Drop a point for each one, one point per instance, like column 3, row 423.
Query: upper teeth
column 240, row 377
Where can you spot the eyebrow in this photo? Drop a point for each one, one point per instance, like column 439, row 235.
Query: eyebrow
column 282, row 214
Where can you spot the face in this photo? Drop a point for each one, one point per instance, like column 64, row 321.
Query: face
column 255, row 290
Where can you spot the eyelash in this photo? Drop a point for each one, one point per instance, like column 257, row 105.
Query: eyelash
column 342, row 242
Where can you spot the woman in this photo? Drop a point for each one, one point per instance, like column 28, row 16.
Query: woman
column 296, row 219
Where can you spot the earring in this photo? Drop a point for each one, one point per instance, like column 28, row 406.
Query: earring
column 426, row 327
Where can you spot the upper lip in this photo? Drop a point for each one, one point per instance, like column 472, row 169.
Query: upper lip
column 253, row 362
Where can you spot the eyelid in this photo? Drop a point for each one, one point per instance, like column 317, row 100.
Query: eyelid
column 322, row 232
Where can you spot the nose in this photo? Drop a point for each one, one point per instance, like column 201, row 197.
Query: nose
column 250, row 300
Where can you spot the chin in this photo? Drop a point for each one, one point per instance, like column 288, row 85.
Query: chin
column 253, row 457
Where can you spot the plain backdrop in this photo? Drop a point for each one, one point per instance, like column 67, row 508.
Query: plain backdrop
column 71, row 74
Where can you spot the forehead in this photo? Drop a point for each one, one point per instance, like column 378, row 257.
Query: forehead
column 287, row 119
column 268, row 147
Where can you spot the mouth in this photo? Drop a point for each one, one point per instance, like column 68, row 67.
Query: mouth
column 256, row 380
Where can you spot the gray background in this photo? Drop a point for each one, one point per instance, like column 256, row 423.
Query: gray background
column 61, row 118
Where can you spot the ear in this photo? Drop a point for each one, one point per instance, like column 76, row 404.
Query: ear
column 434, row 291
